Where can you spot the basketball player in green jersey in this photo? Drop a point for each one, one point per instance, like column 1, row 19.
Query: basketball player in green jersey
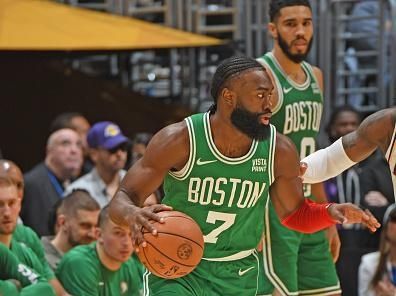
column 293, row 261
column 219, row 168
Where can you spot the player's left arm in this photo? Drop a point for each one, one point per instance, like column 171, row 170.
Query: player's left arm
column 301, row 214
column 286, row 191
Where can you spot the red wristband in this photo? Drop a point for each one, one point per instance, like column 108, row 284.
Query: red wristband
column 309, row 217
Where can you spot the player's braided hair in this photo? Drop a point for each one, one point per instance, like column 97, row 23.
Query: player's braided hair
column 277, row 5
column 227, row 69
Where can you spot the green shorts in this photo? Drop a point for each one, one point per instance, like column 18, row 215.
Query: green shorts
column 295, row 263
column 210, row 278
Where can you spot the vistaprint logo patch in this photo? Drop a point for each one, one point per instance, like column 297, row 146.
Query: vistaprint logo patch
column 315, row 88
column 259, row 165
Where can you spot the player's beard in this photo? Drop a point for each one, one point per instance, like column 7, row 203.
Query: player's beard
column 8, row 230
column 295, row 57
column 249, row 123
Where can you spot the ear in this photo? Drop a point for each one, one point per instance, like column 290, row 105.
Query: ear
column 228, row 96
column 98, row 234
column 61, row 220
column 272, row 30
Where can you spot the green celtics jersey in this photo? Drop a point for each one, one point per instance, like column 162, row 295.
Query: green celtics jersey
column 8, row 288
column 225, row 196
column 82, row 273
column 28, row 237
column 299, row 109
column 12, row 268
column 32, row 268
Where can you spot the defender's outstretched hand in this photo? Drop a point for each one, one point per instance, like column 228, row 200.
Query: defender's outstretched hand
column 348, row 213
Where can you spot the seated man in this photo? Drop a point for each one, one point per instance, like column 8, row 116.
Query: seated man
column 103, row 268
column 108, row 150
column 45, row 183
column 77, row 219
column 10, row 206
column 24, row 234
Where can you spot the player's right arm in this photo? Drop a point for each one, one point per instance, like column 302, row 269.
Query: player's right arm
column 374, row 132
column 168, row 150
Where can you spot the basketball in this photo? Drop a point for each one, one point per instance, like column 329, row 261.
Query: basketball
column 176, row 250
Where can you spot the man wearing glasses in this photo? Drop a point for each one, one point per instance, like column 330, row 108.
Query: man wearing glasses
column 108, row 150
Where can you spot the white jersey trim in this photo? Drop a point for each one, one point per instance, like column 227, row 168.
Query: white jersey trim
column 186, row 170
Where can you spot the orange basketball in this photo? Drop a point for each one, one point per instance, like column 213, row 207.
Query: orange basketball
column 176, row 250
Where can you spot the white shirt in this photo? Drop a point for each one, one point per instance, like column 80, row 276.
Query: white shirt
column 94, row 184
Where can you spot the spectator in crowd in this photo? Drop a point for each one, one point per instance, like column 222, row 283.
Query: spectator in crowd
column 108, row 150
column 105, row 267
column 10, row 205
column 77, row 219
column 10, row 170
column 22, row 233
column 45, row 183
column 77, row 122
column 377, row 271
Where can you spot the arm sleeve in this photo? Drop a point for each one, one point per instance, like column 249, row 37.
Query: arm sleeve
column 326, row 163
column 309, row 217
column 78, row 276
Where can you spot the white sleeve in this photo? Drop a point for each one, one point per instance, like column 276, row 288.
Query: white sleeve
column 326, row 163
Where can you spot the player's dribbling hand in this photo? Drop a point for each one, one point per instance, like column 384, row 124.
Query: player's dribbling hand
column 348, row 213
column 139, row 220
